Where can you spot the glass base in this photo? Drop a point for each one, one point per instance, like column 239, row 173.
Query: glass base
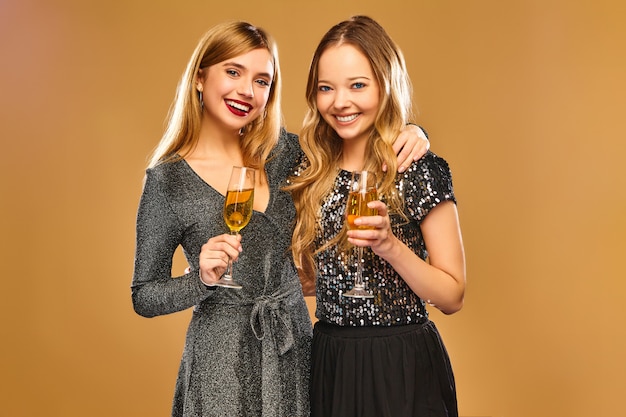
column 357, row 292
column 227, row 282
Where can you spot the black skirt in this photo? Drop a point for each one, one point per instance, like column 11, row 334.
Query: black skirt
column 398, row 371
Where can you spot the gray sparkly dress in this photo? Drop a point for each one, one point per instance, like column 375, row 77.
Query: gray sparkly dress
column 247, row 351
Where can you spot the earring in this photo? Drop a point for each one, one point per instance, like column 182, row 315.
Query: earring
column 200, row 96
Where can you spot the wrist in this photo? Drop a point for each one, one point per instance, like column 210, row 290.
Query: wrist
column 389, row 249
column 206, row 284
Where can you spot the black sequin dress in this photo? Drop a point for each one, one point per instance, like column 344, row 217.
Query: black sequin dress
column 381, row 356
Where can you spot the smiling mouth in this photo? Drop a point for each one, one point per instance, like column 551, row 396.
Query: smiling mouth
column 238, row 107
column 345, row 119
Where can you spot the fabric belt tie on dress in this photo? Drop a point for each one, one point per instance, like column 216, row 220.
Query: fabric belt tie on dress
column 270, row 318
column 271, row 324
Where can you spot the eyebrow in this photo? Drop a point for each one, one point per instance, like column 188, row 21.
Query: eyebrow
column 359, row 77
column 243, row 67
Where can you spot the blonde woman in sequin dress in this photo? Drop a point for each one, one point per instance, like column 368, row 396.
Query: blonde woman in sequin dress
column 247, row 351
column 378, row 357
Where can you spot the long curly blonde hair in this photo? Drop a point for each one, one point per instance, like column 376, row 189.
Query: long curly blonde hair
column 222, row 42
column 323, row 147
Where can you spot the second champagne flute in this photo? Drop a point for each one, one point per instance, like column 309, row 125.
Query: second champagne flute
column 362, row 191
column 237, row 212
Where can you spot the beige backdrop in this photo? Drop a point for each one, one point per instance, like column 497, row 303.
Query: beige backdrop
column 525, row 99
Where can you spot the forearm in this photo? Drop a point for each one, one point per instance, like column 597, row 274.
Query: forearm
column 436, row 286
column 156, row 297
column 159, row 233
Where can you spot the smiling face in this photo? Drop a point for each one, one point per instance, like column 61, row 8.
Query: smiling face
column 348, row 94
column 235, row 91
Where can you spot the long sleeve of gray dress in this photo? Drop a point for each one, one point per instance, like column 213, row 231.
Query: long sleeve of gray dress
column 159, row 232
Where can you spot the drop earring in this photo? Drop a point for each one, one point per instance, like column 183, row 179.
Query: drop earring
column 200, row 96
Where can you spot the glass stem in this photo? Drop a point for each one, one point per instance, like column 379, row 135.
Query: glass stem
column 228, row 275
column 229, row 270
column 358, row 279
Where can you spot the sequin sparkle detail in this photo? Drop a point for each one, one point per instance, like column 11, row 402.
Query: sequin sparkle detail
column 423, row 186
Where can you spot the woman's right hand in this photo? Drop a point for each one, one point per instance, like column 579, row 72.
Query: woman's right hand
column 213, row 258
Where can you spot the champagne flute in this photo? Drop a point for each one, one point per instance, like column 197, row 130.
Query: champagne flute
column 362, row 191
column 237, row 212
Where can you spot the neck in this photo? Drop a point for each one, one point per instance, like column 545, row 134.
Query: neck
column 353, row 155
column 217, row 144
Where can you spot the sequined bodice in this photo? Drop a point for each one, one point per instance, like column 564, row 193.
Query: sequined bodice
column 425, row 184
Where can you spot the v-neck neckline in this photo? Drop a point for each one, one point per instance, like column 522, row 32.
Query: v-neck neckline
column 189, row 168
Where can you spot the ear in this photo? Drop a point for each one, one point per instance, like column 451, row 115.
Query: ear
column 199, row 80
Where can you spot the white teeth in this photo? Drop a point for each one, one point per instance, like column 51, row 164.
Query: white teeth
column 239, row 106
column 347, row 118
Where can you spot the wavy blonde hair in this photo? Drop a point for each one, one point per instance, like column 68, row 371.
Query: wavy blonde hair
column 222, row 42
column 323, row 147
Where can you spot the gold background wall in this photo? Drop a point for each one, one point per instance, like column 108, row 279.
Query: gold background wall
column 525, row 99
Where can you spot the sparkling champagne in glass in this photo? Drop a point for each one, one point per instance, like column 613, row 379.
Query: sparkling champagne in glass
column 237, row 212
column 362, row 191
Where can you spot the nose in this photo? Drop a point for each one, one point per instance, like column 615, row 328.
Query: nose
column 245, row 88
column 342, row 98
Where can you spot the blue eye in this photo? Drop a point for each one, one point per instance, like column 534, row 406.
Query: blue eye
column 263, row 83
column 358, row 85
column 324, row 88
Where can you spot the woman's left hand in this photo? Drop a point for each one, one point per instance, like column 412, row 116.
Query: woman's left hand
column 379, row 236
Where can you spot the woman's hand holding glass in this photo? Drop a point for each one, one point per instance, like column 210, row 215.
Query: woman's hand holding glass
column 215, row 254
column 237, row 212
column 376, row 230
